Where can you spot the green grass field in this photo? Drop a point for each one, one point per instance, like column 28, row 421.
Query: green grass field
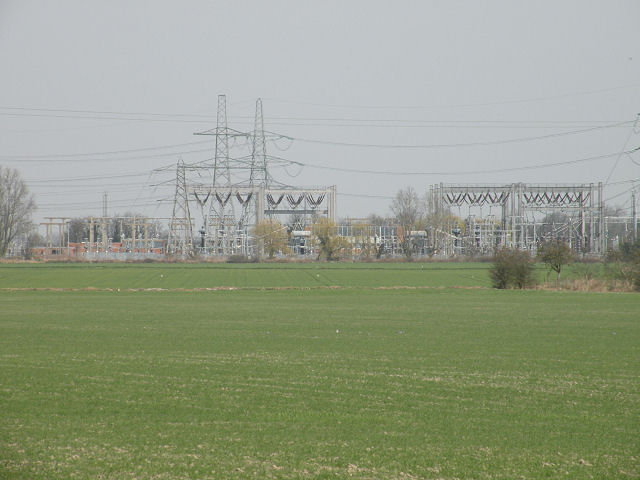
column 354, row 382
column 171, row 276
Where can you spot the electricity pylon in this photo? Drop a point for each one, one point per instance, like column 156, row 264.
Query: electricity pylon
column 220, row 224
column 259, row 172
column 180, row 228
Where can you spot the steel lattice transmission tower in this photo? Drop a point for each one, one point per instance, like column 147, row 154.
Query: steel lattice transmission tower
column 259, row 169
column 221, row 169
column 180, row 227
column 220, row 224
column 246, row 183
column 259, row 172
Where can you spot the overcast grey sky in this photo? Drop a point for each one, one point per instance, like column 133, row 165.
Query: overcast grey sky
column 535, row 83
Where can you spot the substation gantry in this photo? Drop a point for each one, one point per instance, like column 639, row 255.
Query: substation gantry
column 226, row 236
column 526, row 216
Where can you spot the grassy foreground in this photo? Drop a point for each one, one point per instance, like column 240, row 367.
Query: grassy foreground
column 211, row 275
column 316, row 383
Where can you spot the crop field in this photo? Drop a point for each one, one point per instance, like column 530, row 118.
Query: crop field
column 312, row 371
column 213, row 275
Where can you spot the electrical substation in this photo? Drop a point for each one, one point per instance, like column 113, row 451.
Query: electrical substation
column 517, row 215
column 241, row 194
column 218, row 202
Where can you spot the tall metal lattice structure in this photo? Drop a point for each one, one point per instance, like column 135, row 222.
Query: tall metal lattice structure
column 180, row 226
column 259, row 171
column 259, row 167
column 220, row 223
column 529, row 215
column 243, row 192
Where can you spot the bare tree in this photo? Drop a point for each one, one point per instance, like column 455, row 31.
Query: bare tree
column 16, row 207
column 408, row 210
column 440, row 223
column 378, row 221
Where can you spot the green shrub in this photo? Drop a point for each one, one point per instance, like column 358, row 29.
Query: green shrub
column 625, row 263
column 635, row 276
column 512, row 268
column 238, row 259
column 630, row 252
column 584, row 270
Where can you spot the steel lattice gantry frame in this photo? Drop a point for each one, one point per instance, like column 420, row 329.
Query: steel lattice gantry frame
column 519, row 202
column 268, row 203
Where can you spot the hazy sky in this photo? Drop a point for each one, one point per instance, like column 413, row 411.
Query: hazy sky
column 92, row 94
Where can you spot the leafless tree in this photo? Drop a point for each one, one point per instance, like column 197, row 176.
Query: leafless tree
column 408, row 210
column 16, row 207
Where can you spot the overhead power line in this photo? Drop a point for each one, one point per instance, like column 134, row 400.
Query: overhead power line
column 84, row 207
column 104, row 117
column 67, row 192
column 450, row 145
column 622, row 150
column 458, row 172
column 90, row 177
column 105, row 112
column 459, row 105
column 96, row 154
column 72, row 188
column 417, row 124
column 102, row 160
column 364, row 195
column 85, row 157
column 293, row 120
